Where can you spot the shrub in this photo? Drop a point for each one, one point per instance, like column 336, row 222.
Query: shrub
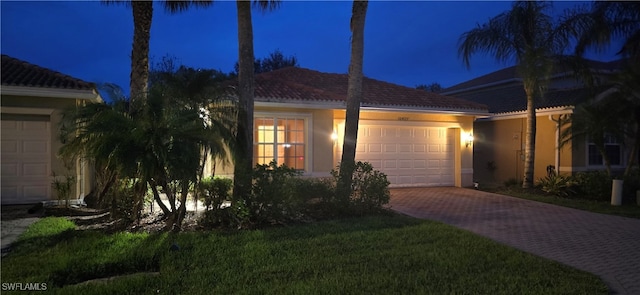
column 273, row 197
column 215, row 191
column 558, row 185
column 369, row 188
column 511, row 182
column 594, row 185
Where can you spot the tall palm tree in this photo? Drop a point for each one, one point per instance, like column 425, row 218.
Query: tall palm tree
column 142, row 19
column 530, row 37
column 608, row 20
column 354, row 98
column 243, row 155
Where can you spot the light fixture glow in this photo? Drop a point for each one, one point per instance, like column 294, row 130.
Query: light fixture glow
column 334, row 136
column 468, row 140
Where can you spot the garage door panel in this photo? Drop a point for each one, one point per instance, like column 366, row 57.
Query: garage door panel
column 9, row 170
column 404, row 148
column 35, row 147
column 405, row 164
column 390, row 165
column 390, row 148
column 35, row 169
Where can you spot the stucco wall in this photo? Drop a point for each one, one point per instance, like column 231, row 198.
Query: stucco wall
column 499, row 150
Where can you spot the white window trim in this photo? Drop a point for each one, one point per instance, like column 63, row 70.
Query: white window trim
column 623, row 158
column 308, row 137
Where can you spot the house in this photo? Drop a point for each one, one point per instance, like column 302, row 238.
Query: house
column 500, row 138
column 32, row 100
column 417, row 138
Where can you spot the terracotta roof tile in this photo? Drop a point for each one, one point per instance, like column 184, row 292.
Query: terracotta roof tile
column 304, row 85
column 16, row 72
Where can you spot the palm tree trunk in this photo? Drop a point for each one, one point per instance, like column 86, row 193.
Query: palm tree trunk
column 530, row 140
column 354, row 98
column 142, row 15
column 244, row 154
column 156, row 197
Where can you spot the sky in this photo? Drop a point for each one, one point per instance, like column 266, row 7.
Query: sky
column 406, row 43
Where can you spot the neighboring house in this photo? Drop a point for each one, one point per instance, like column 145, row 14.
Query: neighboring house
column 417, row 138
column 499, row 138
column 32, row 100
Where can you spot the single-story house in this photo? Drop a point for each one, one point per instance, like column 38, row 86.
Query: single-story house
column 500, row 138
column 32, row 100
column 417, row 138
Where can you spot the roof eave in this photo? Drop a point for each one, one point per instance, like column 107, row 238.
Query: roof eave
column 90, row 95
column 333, row 104
column 522, row 114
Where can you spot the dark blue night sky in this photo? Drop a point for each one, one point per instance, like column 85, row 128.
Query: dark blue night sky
column 406, row 43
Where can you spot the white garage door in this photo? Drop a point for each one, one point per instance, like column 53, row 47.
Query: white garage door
column 410, row 154
column 26, row 157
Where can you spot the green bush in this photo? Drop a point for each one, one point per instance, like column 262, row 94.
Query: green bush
column 594, row 185
column 215, row 191
column 561, row 186
column 273, row 197
column 369, row 188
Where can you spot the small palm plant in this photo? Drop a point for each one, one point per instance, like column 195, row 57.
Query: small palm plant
column 62, row 185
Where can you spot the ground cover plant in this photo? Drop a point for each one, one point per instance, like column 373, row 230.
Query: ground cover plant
column 598, row 206
column 379, row 254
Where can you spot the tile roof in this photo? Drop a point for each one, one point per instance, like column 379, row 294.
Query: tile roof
column 16, row 72
column 295, row 84
column 510, row 73
column 513, row 99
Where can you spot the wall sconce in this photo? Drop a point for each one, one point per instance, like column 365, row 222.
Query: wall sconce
column 334, row 135
column 468, row 139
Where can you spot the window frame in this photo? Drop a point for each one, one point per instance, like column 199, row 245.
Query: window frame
column 307, row 130
column 611, row 141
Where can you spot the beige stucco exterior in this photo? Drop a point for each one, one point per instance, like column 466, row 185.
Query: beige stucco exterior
column 499, row 148
column 42, row 108
column 325, row 151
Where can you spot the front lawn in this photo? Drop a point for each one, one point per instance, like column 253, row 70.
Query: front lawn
column 626, row 210
column 389, row 254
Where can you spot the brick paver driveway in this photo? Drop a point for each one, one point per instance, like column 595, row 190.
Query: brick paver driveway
column 608, row 246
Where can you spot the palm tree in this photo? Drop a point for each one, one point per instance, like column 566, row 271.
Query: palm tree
column 612, row 19
column 142, row 19
column 354, row 98
column 609, row 20
column 159, row 143
column 243, row 154
column 530, row 37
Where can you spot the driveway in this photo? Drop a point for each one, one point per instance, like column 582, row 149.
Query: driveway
column 605, row 245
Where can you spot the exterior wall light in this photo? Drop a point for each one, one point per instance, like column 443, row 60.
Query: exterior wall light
column 468, row 139
column 334, row 136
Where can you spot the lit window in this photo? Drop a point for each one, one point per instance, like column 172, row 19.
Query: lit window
column 612, row 149
column 280, row 139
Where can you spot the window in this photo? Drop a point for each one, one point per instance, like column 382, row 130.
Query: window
column 280, row 139
column 612, row 149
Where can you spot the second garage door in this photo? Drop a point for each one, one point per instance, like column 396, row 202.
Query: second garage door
column 410, row 154
column 26, row 153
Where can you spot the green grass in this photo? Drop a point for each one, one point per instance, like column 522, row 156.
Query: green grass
column 389, row 254
column 627, row 210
